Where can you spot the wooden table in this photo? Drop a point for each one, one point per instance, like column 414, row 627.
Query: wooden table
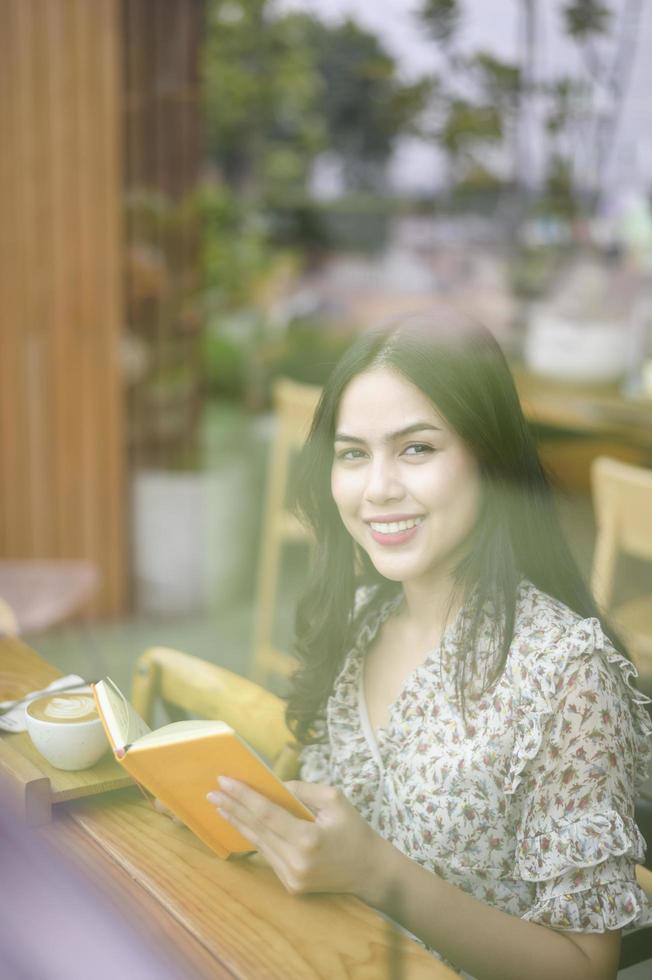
column 575, row 423
column 597, row 410
column 224, row 918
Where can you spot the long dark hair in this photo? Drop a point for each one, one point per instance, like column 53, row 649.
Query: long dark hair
column 462, row 370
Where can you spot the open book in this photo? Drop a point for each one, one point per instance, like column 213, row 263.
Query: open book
column 180, row 763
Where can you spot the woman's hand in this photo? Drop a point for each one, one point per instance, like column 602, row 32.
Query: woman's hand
column 336, row 853
column 166, row 811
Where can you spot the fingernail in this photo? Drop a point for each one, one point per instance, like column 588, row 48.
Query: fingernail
column 226, row 782
column 215, row 798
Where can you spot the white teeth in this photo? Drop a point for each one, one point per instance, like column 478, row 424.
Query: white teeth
column 396, row 526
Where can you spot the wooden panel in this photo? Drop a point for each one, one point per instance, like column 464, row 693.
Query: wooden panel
column 162, row 115
column 61, row 411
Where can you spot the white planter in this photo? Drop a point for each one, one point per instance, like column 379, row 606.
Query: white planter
column 189, row 532
column 576, row 350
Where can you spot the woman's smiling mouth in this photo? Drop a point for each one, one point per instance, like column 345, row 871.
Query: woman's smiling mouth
column 395, row 532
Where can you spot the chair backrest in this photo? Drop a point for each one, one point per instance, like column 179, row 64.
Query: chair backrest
column 208, row 691
column 8, row 622
column 622, row 499
column 294, row 407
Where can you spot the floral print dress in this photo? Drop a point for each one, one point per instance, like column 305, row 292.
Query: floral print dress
column 530, row 809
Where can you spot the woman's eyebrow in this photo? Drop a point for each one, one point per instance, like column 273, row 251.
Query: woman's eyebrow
column 415, row 427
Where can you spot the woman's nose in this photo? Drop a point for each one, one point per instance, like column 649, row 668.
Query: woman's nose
column 383, row 482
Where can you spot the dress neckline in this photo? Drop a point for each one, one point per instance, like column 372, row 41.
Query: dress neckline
column 368, row 634
column 376, row 736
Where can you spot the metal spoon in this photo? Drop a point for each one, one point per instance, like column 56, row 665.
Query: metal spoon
column 37, row 694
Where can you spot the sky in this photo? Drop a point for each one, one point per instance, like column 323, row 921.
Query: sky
column 492, row 25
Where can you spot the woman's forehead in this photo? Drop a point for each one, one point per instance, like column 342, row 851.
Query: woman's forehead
column 381, row 400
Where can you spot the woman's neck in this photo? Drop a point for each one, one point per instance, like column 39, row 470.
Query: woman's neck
column 429, row 605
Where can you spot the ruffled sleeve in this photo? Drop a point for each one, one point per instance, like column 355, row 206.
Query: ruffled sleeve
column 583, row 746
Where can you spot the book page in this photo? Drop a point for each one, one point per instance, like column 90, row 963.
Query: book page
column 180, row 731
column 122, row 720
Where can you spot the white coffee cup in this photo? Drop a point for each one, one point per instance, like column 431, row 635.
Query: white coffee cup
column 66, row 730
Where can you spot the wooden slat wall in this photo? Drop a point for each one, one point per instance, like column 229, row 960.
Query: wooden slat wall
column 61, row 402
column 162, row 121
column 162, row 94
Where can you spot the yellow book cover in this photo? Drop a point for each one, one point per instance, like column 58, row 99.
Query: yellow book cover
column 179, row 763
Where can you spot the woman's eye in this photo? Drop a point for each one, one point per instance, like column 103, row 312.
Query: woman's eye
column 350, row 454
column 420, row 449
column 416, row 449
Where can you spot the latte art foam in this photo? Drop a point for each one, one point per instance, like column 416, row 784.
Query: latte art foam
column 68, row 708
column 64, row 708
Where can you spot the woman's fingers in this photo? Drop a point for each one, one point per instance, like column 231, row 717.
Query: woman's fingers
column 275, row 851
column 316, row 796
column 166, row 811
column 279, row 836
column 240, row 802
column 327, row 854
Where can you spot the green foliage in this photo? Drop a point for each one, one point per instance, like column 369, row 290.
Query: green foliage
column 307, row 352
column 533, row 270
column 164, row 323
column 442, row 19
column 366, row 105
column 566, row 100
column 477, row 190
column 586, row 18
column 559, row 198
column 469, row 125
column 235, row 247
column 279, row 89
column 500, row 81
column 264, row 123
column 242, row 355
column 482, row 101
column 228, row 344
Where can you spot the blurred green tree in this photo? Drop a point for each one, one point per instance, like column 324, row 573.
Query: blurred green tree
column 442, row 19
column 366, row 104
column 483, row 103
column 264, row 120
column 280, row 89
column 586, row 18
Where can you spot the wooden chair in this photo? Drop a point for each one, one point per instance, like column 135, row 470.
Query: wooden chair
column 187, row 684
column 8, row 621
column 622, row 499
column 294, row 406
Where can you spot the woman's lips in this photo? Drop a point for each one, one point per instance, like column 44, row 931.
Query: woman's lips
column 396, row 538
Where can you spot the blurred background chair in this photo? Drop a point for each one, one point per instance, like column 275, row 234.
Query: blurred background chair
column 42, row 593
column 8, row 624
column 187, row 685
column 622, row 499
column 294, row 406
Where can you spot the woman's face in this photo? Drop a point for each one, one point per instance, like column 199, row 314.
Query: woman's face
column 406, row 486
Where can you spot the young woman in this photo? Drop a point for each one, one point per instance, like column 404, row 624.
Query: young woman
column 473, row 742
